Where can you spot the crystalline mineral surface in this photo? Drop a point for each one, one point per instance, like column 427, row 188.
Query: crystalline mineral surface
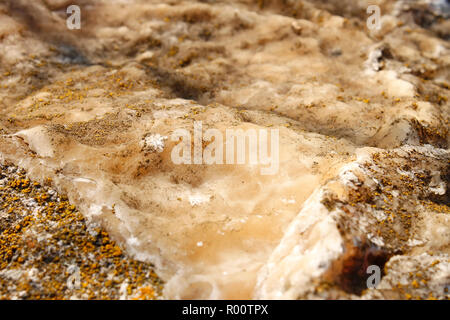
column 362, row 116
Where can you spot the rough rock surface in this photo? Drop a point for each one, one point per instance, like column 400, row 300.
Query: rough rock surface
column 48, row 251
column 362, row 116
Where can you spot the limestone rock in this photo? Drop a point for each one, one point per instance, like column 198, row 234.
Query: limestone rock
column 362, row 118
